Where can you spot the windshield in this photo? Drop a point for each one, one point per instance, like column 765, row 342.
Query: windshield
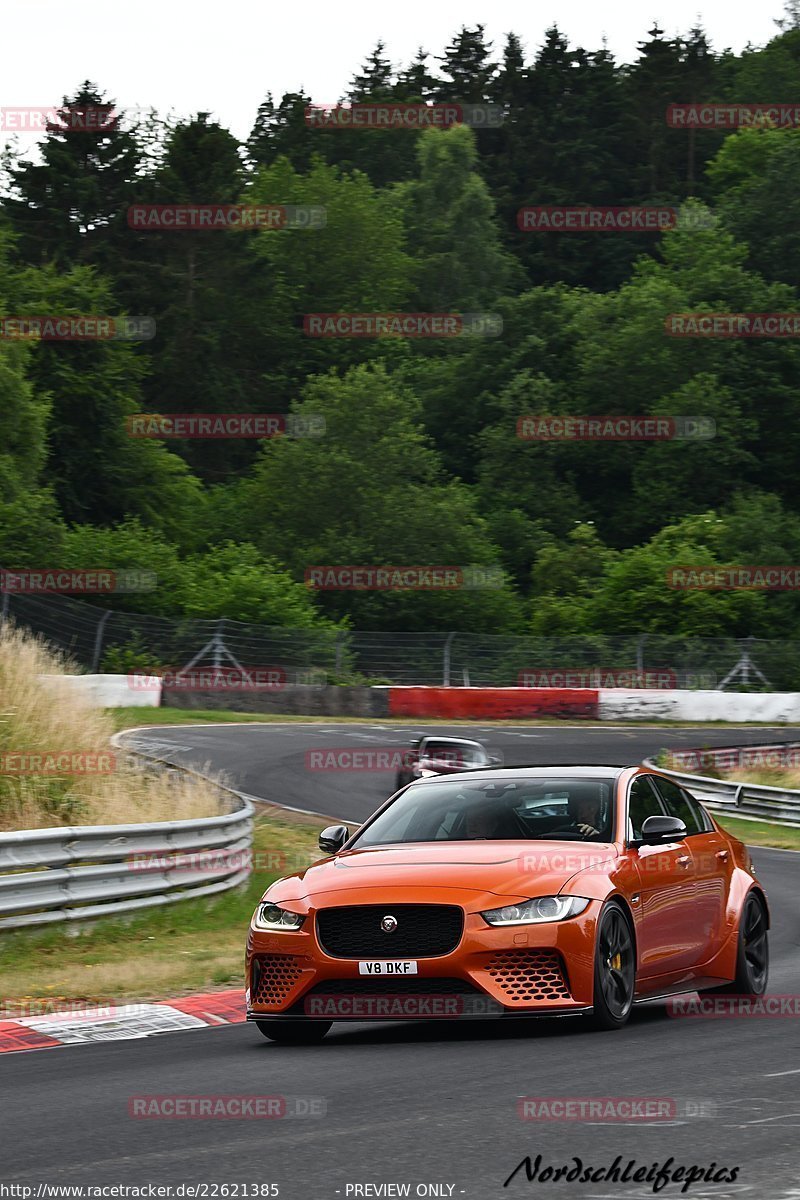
column 552, row 809
column 454, row 754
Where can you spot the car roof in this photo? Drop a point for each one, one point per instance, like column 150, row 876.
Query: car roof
column 517, row 774
column 435, row 737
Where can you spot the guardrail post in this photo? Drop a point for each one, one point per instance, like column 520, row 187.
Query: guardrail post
column 640, row 654
column 446, row 660
column 98, row 641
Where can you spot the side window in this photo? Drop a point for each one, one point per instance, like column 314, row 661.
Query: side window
column 642, row 803
column 679, row 804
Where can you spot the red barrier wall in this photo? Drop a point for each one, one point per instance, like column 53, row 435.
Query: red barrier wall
column 493, row 703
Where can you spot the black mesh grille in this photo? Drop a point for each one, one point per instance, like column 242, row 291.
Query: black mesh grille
column 423, row 930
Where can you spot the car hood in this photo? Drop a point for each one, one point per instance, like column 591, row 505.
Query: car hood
column 516, row 870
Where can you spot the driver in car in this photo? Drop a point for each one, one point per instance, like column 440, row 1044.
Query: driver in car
column 482, row 822
column 584, row 817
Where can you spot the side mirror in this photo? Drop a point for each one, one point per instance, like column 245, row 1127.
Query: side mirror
column 657, row 830
column 333, row 838
column 495, row 760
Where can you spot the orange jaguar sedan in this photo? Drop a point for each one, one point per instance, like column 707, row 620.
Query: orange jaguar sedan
column 532, row 891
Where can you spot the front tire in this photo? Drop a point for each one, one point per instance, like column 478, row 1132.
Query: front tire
column 752, row 959
column 614, row 969
column 294, row 1033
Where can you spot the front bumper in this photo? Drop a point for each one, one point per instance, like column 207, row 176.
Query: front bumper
column 529, row 970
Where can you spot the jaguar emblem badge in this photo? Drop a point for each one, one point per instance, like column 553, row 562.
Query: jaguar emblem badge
column 389, row 923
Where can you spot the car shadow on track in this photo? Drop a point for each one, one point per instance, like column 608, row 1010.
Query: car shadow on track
column 391, row 1033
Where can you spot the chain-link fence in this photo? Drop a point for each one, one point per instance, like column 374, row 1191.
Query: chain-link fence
column 99, row 639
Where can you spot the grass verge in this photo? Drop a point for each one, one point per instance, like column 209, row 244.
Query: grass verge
column 761, row 833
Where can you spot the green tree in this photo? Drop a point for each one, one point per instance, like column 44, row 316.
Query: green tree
column 467, row 68
column 460, row 263
column 30, row 524
column 69, row 207
column 86, row 391
column 199, row 287
column 565, row 578
column 372, row 492
column 355, row 263
column 635, row 597
column 756, row 176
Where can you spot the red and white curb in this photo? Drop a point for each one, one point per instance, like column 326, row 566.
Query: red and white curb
column 119, row 1022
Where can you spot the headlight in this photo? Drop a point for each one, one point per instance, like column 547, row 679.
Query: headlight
column 535, row 912
column 269, row 916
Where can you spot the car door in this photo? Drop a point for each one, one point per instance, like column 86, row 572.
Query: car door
column 667, row 934
column 712, row 863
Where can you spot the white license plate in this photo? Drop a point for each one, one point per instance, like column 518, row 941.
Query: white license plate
column 399, row 966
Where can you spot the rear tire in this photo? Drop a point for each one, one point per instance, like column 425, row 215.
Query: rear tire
column 752, row 959
column 294, row 1033
column 614, row 969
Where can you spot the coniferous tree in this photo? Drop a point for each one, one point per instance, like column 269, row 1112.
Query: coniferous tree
column 70, row 207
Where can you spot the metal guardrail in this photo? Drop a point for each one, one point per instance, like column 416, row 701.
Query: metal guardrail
column 755, row 800
column 79, row 872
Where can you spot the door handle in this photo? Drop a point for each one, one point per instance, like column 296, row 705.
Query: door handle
column 684, row 860
column 722, row 855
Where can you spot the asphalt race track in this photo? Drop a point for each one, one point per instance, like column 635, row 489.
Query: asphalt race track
column 270, row 761
column 425, row 1104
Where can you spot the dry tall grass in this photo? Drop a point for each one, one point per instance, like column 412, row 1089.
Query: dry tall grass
column 38, row 716
column 782, row 777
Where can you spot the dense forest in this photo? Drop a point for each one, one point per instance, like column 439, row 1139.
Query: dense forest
column 420, row 461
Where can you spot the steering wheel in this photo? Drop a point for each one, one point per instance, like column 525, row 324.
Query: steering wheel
column 576, row 827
